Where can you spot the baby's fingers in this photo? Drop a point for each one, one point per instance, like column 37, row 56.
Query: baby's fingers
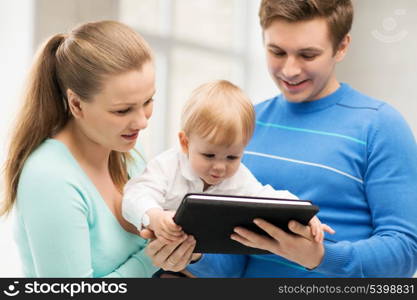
column 172, row 237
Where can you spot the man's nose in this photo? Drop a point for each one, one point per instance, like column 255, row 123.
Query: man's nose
column 291, row 68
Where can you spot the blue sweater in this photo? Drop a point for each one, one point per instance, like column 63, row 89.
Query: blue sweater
column 356, row 158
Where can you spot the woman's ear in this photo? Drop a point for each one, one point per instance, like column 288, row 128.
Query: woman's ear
column 74, row 104
column 183, row 141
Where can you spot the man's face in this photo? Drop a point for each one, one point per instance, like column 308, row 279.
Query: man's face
column 301, row 58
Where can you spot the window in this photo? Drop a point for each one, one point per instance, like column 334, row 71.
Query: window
column 195, row 42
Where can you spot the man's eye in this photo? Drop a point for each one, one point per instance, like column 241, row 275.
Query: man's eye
column 278, row 53
column 308, row 56
column 208, row 155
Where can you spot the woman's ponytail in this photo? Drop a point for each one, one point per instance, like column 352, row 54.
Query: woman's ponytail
column 43, row 112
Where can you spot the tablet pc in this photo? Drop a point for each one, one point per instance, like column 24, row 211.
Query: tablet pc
column 210, row 218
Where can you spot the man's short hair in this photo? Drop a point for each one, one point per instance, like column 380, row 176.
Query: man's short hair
column 337, row 13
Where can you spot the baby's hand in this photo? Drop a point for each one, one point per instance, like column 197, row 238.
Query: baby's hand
column 162, row 224
column 317, row 229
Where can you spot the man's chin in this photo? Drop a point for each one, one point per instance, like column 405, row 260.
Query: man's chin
column 295, row 98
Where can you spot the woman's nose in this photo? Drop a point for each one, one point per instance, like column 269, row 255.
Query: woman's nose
column 140, row 121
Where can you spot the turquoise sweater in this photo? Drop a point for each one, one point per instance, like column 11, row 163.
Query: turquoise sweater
column 65, row 229
column 354, row 157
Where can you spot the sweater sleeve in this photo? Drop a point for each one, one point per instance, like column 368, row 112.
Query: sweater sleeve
column 55, row 216
column 391, row 190
column 138, row 265
column 219, row 266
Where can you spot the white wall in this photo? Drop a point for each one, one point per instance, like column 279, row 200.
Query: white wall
column 16, row 24
column 260, row 85
column 382, row 61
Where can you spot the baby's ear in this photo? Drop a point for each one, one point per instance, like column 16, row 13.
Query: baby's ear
column 183, row 141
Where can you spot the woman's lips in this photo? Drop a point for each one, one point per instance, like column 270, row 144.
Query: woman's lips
column 130, row 137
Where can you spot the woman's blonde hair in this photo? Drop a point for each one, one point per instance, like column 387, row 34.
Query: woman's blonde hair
column 220, row 112
column 80, row 61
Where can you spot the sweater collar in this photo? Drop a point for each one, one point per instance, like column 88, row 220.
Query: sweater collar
column 319, row 104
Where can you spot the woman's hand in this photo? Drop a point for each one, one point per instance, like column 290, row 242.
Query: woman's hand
column 174, row 256
column 300, row 248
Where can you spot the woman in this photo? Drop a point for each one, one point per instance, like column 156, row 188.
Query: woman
column 89, row 94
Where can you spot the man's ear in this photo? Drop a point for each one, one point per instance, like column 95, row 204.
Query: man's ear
column 343, row 47
column 74, row 104
column 183, row 141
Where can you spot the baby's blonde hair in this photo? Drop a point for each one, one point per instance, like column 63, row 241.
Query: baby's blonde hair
column 220, row 112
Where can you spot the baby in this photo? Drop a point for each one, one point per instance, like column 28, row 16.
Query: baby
column 217, row 123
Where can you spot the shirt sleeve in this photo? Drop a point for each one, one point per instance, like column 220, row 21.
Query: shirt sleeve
column 252, row 187
column 219, row 266
column 55, row 217
column 391, row 191
column 144, row 192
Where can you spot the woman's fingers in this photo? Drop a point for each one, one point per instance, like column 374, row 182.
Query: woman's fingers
column 168, row 237
column 179, row 257
column 154, row 247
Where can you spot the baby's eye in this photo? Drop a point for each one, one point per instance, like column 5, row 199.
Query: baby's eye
column 232, row 157
column 208, row 155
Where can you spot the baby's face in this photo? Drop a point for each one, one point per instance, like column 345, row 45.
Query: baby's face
column 213, row 163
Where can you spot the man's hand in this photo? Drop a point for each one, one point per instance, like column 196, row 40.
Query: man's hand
column 300, row 248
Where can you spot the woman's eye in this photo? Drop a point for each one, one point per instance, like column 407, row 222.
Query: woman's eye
column 122, row 112
column 148, row 102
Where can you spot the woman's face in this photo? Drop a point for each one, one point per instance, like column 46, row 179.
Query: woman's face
column 114, row 116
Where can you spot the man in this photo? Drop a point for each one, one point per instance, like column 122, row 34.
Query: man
column 353, row 156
